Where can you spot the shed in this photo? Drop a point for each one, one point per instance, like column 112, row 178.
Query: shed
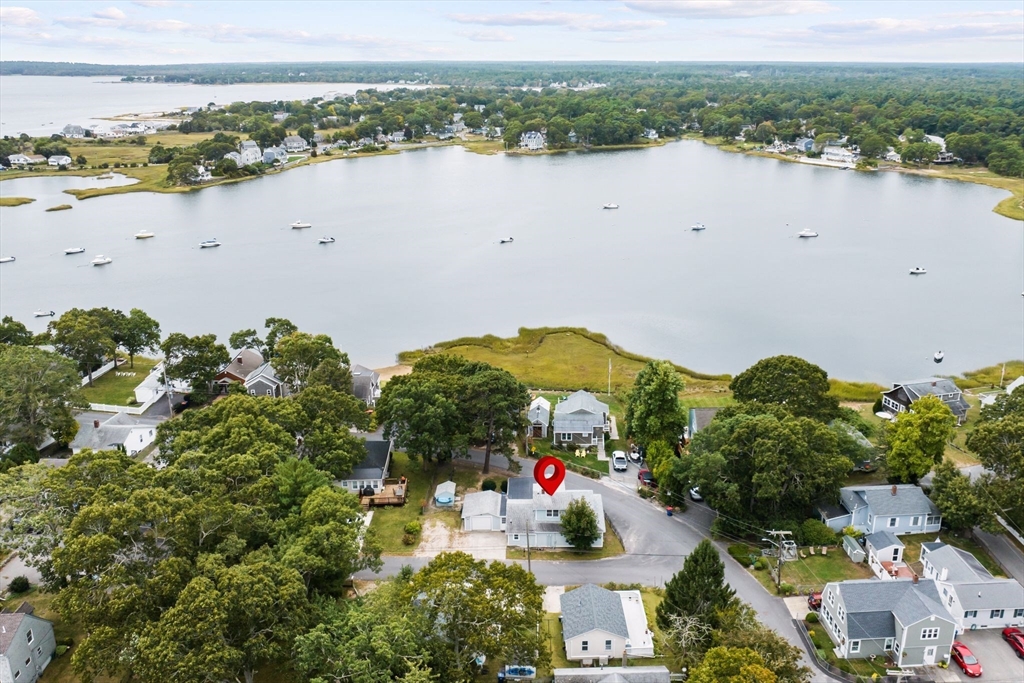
column 853, row 550
column 444, row 496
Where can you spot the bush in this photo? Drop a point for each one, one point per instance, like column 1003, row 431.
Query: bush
column 852, row 532
column 489, row 485
column 408, row 539
column 644, row 492
column 815, row 532
column 877, row 406
column 786, row 589
column 413, row 528
column 504, row 486
column 61, row 649
column 761, row 563
column 740, row 553
column 66, row 642
column 20, row 584
column 811, row 618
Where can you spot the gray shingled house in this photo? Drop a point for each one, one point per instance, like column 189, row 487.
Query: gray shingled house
column 531, row 513
column 245, row 362
column 902, row 396
column 263, row 381
column 580, row 420
column 365, row 384
column 898, row 509
column 373, row 470
column 975, row 599
column 902, row 619
column 593, row 625
column 539, row 416
column 26, row 645
column 484, row 511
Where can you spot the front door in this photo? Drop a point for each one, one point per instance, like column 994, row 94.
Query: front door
column 929, row 655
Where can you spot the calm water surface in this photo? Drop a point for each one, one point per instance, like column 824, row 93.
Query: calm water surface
column 417, row 258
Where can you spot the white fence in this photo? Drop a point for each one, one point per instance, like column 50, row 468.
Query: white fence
column 99, row 372
column 131, row 410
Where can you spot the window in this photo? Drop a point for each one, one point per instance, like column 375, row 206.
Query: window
column 252, row 392
column 841, row 613
column 515, row 537
column 888, row 644
column 894, row 522
column 831, row 597
column 551, row 513
column 565, row 437
column 1018, row 613
column 28, row 660
column 39, row 652
column 896, row 648
column 895, row 554
column 929, row 634
column 915, row 521
column 971, row 614
column 949, row 603
column 996, row 614
column 270, row 392
column 28, row 637
column 932, row 520
column 16, row 674
column 854, row 646
column 607, row 645
column 585, row 646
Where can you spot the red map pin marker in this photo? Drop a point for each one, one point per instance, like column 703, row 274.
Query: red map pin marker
column 549, row 484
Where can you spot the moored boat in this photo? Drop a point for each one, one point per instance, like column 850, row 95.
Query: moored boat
column 507, row 240
column 301, row 224
column 938, row 356
column 143, row 235
column 43, row 314
column 326, row 240
column 610, row 206
column 74, row 250
column 101, row 260
column 698, row 226
column 807, row 233
column 206, row 244
column 7, row 259
column 918, row 271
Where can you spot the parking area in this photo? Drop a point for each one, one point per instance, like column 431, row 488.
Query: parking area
column 628, row 477
column 999, row 662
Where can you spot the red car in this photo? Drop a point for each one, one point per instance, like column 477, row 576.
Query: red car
column 963, row 656
column 814, row 601
column 1016, row 640
column 645, row 478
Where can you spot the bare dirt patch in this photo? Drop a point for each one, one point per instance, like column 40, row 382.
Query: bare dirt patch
column 437, row 537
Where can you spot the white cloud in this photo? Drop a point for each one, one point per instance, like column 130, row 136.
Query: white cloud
column 487, row 36
column 19, row 16
column 729, row 9
column 983, row 14
column 575, row 21
column 152, row 3
column 884, row 31
column 110, row 13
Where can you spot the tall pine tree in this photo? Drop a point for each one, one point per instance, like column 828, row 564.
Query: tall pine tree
column 698, row 589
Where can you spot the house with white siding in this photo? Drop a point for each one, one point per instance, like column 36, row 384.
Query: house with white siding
column 250, row 152
column 599, row 625
column 974, row 598
column 899, row 509
column 533, row 517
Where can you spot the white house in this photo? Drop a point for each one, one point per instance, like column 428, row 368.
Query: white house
column 203, row 174
column 26, row 159
column 531, row 140
column 539, row 416
column 599, row 625
column 838, row 154
column 235, row 157
column 484, row 511
column 118, row 432
column 397, row 136
column 59, row 160
column 249, row 152
column 975, row 599
column 885, row 556
column 273, row 154
column 533, row 517
column 293, row 143
column 651, row 134
column 73, row 131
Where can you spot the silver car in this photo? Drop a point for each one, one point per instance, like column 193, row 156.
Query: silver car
column 619, row 462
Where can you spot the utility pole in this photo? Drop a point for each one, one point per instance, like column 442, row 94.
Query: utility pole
column 781, row 536
column 609, row 376
column 529, row 567
column 167, row 390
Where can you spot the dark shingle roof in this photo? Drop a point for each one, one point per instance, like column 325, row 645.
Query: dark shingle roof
column 883, row 539
column 701, row 418
column 591, row 607
column 9, row 624
column 909, row 500
column 903, row 599
column 372, row 466
column 520, row 488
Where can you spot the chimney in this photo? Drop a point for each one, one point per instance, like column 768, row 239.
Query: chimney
column 934, row 383
column 915, row 579
column 894, row 489
column 96, row 424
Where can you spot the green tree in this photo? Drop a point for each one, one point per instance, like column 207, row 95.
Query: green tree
column 917, row 439
column 493, row 404
column 82, row 338
column 194, row 360
column 248, row 339
column 332, row 373
column 14, row 333
column 38, row 390
column 962, row 504
column 765, row 132
column 732, row 665
column 998, row 441
column 698, row 589
column 306, row 132
column 579, row 524
column 653, row 412
column 421, row 416
column 295, row 480
column 296, row 355
column 740, row 628
column 139, row 333
column 801, row 387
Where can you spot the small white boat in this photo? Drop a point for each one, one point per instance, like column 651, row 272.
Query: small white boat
column 205, row 244
column 697, row 226
column 806, row 233
column 101, row 260
column 610, row 206
column 74, row 250
column 6, row 259
column 938, row 356
column 43, row 314
column 144, row 235
column 326, row 240
column 299, row 224
column 507, row 240
column 918, row 271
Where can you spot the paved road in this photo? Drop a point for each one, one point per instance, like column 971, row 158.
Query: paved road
column 1006, row 553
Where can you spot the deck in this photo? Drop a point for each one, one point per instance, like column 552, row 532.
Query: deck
column 393, row 493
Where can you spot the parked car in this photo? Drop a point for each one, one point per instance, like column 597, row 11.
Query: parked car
column 814, row 602
column 695, row 494
column 645, row 478
column 619, row 462
column 636, row 454
column 1015, row 638
column 963, row 656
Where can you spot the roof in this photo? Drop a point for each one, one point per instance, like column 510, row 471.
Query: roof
column 10, row 624
column 908, row 392
column 520, row 488
column 930, row 546
column 445, row 487
column 294, row 139
column 247, row 144
column 483, row 503
column 960, row 565
column 375, row 462
column 540, row 410
column 608, row 674
column 591, row 607
column 363, row 381
column 581, row 401
column 994, row 594
column 701, row 418
column 520, row 513
column 909, row 499
column 243, row 364
column 111, row 433
column 264, row 372
column 868, row 601
column 883, row 539
column 579, row 413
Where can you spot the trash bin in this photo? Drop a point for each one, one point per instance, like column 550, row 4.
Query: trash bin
column 668, row 511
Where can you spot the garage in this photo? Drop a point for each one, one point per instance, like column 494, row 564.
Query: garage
column 483, row 523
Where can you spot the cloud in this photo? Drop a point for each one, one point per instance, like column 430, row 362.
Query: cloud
column 152, row 3
column 19, row 16
column 487, row 36
column 729, row 9
column 571, row 20
column 885, row 32
column 110, row 13
column 983, row 14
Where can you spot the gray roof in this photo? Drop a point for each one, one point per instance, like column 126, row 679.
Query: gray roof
column 903, row 599
column 908, row 392
column 931, row 545
column 111, row 433
column 701, row 418
column 244, row 363
column 960, row 564
column 540, row 411
column 909, row 500
column 995, row 594
column 264, row 372
column 520, row 514
column 363, row 381
column 372, row 466
column 294, row 139
column 483, row 503
column 11, row 622
column 520, row 488
column 605, row 674
column 883, row 539
column 591, row 607
column 579, row 413
column 249, row 144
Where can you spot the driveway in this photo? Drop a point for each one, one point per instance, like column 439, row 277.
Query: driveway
column 998, row 661
column 437, row 537
column 16, row 567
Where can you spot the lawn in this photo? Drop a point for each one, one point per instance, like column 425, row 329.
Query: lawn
column 116, row 390
column 823, row 644
column 810, row 574
column 552, row 628
column 612, row 547
column 912, row 551
column 389, row 522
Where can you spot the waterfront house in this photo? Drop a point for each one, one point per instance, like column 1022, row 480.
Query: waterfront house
column 27, row 645
column 975, row 599
column 804, row 144
column 365, row 384
column 539, row 416
column 580, row 420
column 235, row 157
column 26, row 159
column 899, row 509
column 73, row 131
column 293, row 143
column 484, row 511
column 902, row 619
column 700, row 418
column 250, row 152
column 573, row 138
column 239, row 367
column 533, row 517
column 275, row 154
column 119, row 432
column 59, row 160
column 531, row 140
column 902, row 396
column 372, row 470
column 599, row 625
column 397, row 136
column 651, row 134
column 838, row 154
column 203, row 174
column 264, row 382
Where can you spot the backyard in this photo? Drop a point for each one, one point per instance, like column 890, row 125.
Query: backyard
column 117, row 387
column 859, row 667
column 810, row 574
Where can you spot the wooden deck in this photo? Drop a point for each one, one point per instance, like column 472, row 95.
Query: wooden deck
column 393, row 493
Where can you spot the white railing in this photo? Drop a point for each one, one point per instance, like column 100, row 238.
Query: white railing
column 131, row 410
column 102, row 370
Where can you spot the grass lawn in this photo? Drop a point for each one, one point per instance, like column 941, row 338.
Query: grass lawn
column 483, row 146
column 552, row 629
column 15, row 201
column 810, row 574
column 823, row 644
column 612, row 548
column 117, row 391
column 912, row 551
column 389, row 522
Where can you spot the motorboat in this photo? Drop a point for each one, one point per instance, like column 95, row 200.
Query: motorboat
column 101, row 260
column 74, row 250
column 326, row 240
column 43, row 314
column 7, row 259
column 507, row 240
column 610, row 206
column 938, row 356
column 918, row 271
column 300, row 224
column 698, row 226
column 144, row 235
column 806, row 233
column 205, row 244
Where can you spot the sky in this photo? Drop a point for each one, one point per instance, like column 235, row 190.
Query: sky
column 171, row 32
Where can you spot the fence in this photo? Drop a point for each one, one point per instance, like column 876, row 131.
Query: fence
column 131, row 410
column 102, row 370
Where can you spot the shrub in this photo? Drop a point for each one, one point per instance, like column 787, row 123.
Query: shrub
column 20, row 584
column 740, row 553
column 786, row 589
column 408, row 539
column 761, row 563
column 815, row 532
column 489, row 485
column 413, row 528
column 852, row 531
column 811, row 618
column 644, row 492
column 61, row 649
column 877, row 406
column 66, row 642
column 504, row 486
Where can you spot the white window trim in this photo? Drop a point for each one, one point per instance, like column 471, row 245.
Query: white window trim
column 971, row 614
column 889, row 642
column 996, row 614
column 854, row 646
column 894, row 522
column 915, row 520
column 584, row 645
column 930, row 633
column 1017, row 613
column 607, row 646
